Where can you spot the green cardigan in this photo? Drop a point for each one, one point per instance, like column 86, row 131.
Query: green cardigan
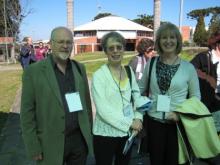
column 42, row 112
column 110, row 120
column 185, row 81
column 200, row 131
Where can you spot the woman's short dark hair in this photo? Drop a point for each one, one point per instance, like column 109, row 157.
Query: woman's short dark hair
column 168, row 27
column 144, row 44
column 117, row 37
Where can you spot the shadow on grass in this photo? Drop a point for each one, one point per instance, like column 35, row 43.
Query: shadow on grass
column 3, row 119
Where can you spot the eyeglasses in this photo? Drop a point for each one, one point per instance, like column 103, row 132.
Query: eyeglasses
column 115, row 48
column 150, row 49
column 62, row 42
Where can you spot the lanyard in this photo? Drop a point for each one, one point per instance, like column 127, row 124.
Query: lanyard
column 118, row 84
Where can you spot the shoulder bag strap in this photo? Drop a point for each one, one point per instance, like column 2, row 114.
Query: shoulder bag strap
column 149, row 77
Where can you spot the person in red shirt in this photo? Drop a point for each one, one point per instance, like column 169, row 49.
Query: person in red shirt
column 40, row 52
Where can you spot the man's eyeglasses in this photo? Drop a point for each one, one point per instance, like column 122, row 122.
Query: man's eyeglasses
column 62, row 42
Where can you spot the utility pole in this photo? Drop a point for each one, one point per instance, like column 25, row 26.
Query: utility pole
column 181, row 16
column 6, row 32
column 156, row 16
column 70, row 18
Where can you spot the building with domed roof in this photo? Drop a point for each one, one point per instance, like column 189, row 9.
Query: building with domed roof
column 87, row 37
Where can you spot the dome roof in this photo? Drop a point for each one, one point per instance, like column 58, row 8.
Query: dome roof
column 112, row 23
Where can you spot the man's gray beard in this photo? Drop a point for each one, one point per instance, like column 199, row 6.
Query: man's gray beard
column 63, row 56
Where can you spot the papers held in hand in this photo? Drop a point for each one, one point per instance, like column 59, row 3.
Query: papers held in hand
column 129, row 142
column 145, row 107
column 144, row 104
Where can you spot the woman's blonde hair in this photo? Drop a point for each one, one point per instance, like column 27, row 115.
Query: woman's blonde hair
column 168, row 27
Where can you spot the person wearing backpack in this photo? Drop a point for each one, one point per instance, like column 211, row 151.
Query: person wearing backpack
column 56, row 113
column 115, row 117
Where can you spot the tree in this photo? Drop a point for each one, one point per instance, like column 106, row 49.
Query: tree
column 144, row 20
column 13, row 16
column 101, row 15
column 14, row 13
column 214, row 24
column 200, row 34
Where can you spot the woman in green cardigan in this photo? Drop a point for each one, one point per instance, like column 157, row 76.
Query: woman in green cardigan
column 115, row 117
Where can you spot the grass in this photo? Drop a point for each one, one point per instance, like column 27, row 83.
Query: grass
column 96, row 55
column 9, row 84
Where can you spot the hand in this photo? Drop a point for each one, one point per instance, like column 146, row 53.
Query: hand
column 173, row 116
column 201, row 74
column 211, row 81
column 208, row 78
column 38, row 157
column 135, row 132
column 136, row 125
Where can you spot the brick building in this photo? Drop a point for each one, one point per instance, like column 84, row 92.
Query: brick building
column 9, row 42
column 87, row 37
column 187, row 33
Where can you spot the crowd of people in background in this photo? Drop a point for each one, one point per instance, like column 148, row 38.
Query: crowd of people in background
column 30, row 53
column 170, row 99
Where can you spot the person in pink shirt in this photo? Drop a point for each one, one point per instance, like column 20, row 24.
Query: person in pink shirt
column 40, row 52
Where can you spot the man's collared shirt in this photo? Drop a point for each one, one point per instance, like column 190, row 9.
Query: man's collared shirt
column 67, row 85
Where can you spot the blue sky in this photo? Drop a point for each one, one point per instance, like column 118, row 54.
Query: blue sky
column 48, row 14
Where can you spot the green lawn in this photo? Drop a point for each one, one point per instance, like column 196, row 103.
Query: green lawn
column 9, row 84
column 93, row 56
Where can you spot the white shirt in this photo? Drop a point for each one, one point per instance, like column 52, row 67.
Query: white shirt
column 216, row 59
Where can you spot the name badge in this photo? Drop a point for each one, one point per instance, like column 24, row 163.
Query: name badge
column 163, row 103
column 128, row 110
column 73, row 101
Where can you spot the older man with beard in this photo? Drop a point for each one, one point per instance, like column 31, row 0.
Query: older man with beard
column 56, row 107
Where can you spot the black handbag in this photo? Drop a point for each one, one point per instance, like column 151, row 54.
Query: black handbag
column 143, row 135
